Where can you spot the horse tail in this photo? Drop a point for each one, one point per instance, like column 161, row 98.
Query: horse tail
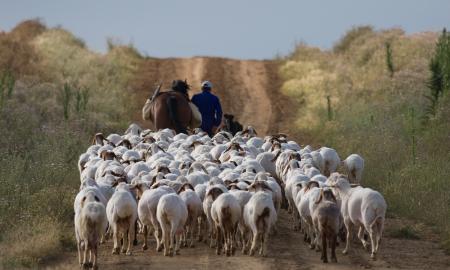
column 173, row 114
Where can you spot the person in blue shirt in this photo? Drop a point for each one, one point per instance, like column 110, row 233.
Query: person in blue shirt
column 210, row 108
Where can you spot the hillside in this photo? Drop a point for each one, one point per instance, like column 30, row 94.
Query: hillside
column 55, row 93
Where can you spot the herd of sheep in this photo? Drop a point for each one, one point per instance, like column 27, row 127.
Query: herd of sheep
column 226, row 190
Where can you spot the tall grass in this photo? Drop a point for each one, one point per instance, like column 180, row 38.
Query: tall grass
column 378, row 116
column 63, row 93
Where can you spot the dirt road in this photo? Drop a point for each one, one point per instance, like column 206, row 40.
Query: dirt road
column 286, row 251
column 250, row 90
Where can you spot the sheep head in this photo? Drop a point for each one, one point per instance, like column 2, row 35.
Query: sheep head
column 326, row 195
column 259, row 185
column 214, row 193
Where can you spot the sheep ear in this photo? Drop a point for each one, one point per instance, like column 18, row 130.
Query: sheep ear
column 333, row 197
column 190, row 170
column 276, row 156
column 320, row 197
column 204, row 169
column 93, row 140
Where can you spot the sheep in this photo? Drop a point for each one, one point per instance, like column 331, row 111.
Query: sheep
column 90, row 224
column 259, row 216
column 354, row 166
column 325, row 219
column 364, row 208
column 331, row 160
column 212, row 192
column 172, row 214
column 309, row 195
column 225, row 212
column 195, row 209
column 122, row 214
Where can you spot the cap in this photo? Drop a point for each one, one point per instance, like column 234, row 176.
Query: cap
column 207, row 84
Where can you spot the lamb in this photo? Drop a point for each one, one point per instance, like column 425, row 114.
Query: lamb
column 122, row 214
column 172, row 214
column 90, row 224
column 259, row 215
column 354, row 166
column 325, row 219
column 226, row 212
column 364, row 208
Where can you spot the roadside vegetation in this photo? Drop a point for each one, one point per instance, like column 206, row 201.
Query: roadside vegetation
column 54, row 94
column 384, row 95
column 376, row 93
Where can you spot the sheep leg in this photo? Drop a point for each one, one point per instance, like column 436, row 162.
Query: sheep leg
column 349, row 227
column 333, row 248
column 219, row 240
column 94, row 260
column 264, row 241
column 200, row 225
column 79, row 253
column 131, row 233
column 324, row 247
column 171, row 238
column 177, row 243
column 254, row 243
column 213, row 236
column 192, row 231
column 116, row 241
column 135, row 241
column 165, row 236
column 144, row 246
column 157, row 232
column 85, row 264
column 372, row 235
column 361, row 237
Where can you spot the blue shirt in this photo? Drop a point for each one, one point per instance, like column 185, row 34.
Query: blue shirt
column 209, row 106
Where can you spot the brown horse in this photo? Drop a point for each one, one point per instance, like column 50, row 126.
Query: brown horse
column 169, row 110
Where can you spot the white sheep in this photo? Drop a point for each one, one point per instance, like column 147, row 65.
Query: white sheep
column 364, row 208
column 172, row 214
column 331, row 160
column 122, row 214
column 195, row 210
column 259, row 215
column 90, row 225
column 226, row 212
column 354, row 166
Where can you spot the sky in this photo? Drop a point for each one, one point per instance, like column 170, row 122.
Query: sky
column 245, row 29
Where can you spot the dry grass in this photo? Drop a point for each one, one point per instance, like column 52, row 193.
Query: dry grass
column 376, row 116
column 39, row 148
